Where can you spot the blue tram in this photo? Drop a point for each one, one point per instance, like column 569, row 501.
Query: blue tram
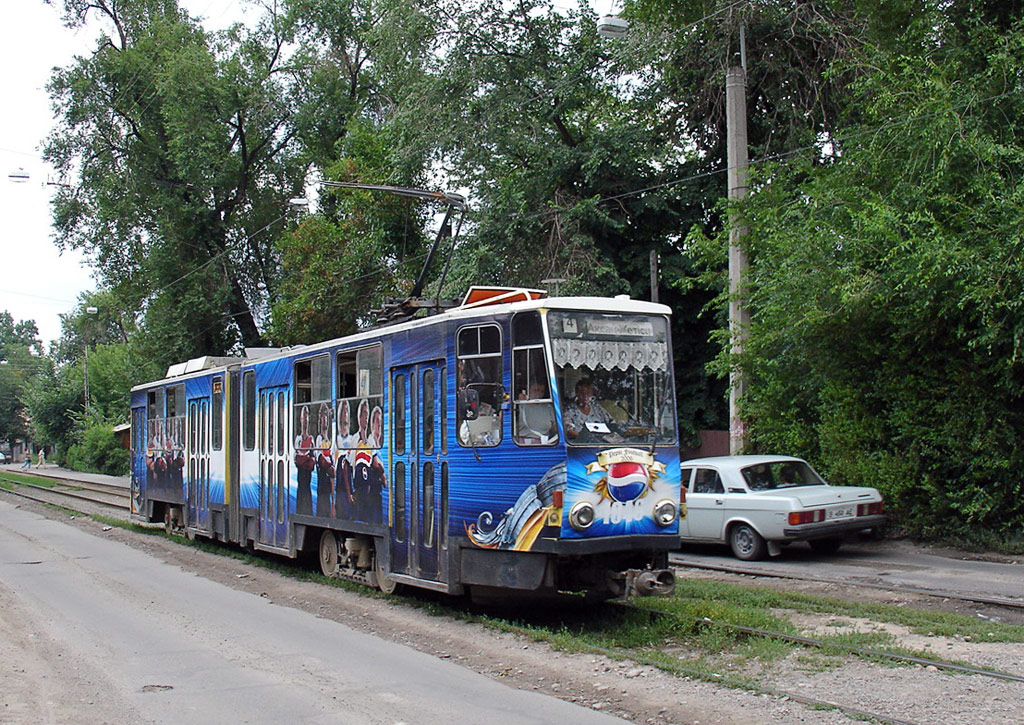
column 515, row 442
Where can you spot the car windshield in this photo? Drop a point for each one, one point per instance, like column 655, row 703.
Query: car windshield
column 614, row 378
column 780, row 474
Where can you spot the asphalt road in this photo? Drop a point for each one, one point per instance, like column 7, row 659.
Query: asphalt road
column 885, row 562
column 92, row 630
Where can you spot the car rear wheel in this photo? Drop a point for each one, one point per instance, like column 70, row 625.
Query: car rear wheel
column 826, row 546
column 746, row 543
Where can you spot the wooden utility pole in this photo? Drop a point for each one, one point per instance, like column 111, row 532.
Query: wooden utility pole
column 739, row 316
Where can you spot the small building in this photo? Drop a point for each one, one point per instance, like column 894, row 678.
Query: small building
column 123, row 433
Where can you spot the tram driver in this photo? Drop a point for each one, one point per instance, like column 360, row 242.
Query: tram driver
column 584, row 408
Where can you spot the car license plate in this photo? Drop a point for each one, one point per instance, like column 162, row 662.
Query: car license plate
column 840, row 512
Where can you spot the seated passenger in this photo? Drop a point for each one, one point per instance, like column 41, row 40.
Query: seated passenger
column 484, row 430
column 536, row 419
column 583, row 409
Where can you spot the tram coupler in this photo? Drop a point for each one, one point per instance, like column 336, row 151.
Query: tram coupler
column 642, row 583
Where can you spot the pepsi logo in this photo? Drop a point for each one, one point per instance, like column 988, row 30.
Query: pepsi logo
column 627, row 481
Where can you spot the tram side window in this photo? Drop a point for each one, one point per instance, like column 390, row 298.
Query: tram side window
column 154, row 416
column 478, row 382
column 174, row 429
column 361, row 398
column 312, row 409
column 534, row 421
column 249, row 409
column 217, row 413
column 135, row 439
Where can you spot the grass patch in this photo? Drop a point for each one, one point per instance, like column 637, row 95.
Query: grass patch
column 748, row 606
column 11, row 478
column 817, row 661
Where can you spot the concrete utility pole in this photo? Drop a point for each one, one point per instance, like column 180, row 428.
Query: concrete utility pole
column 654, row 275
column 739, row 317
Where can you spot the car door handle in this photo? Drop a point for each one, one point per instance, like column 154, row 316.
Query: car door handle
column 719, row 501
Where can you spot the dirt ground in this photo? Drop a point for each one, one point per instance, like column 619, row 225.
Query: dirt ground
column 39, row 685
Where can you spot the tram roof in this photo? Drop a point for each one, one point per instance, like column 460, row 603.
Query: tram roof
column 613, row 305
column 207, row 364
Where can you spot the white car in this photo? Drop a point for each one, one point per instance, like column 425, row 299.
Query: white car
column 757, row 503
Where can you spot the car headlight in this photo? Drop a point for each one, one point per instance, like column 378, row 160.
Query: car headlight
column 665, row 512
column 581, row 516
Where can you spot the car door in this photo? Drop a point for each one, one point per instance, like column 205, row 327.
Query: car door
column 706, row 505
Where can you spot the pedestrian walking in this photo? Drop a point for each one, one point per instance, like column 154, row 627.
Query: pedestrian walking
column 27, row 463
column 42, row 458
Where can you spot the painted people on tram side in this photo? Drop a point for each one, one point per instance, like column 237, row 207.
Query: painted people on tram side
column 373, row 502
column 324, row 463
column 361, row 460
column 344, row 500
column 360, row 472
column 156, row 464
column 305, row 462
column 175, row 454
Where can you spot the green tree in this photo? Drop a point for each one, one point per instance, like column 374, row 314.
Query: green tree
column 20, row 359
column 887, row 284
column 570, row 170
column 356, row 63
column 177, row 159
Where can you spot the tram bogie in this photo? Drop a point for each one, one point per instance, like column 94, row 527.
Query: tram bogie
column 455, row 451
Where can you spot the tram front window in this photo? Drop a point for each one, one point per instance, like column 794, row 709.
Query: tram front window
column 614, row 380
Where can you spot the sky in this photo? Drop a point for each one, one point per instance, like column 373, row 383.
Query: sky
column 37, row 281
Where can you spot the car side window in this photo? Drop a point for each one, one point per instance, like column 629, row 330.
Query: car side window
column 707, row 480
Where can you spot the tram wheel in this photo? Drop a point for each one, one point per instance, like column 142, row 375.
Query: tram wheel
column 384, row 581
column 329, row 554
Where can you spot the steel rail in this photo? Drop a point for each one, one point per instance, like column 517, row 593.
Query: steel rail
column 975, row 598
column 803, row 699
column 680, row 669
column 114, row 488
column 854, row 649
column 868, row 652
column 59, row 492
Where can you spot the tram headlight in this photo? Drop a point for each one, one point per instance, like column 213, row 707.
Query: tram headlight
column 665, row 512
column 581, row 516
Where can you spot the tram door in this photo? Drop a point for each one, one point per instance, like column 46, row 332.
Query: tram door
column 274, row 470
column 199, row 463
column 420, row 447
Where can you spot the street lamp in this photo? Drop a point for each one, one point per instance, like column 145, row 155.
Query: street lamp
column 612, row 26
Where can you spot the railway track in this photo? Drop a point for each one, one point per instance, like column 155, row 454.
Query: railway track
column 679, row 562
column 826, row 645
column 69, row 491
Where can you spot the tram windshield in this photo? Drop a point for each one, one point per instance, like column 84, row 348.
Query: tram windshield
column 614, row 378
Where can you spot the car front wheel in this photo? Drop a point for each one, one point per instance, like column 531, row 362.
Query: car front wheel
column 746, row 543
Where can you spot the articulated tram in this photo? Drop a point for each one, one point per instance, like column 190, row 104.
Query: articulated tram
column 450, row 452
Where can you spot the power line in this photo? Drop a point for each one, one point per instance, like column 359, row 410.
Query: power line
column 840, row 139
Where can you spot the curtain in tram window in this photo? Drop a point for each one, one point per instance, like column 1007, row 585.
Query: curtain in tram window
column 610, row 354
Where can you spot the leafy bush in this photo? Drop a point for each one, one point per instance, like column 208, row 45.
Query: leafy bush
column 99, row 451
column 886, row 293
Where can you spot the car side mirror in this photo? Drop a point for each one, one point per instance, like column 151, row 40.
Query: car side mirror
column 468, row 402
